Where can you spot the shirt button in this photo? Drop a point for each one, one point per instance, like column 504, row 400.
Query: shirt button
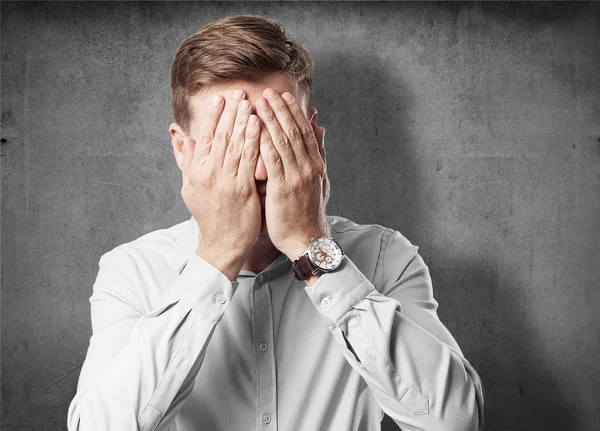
column 260, row 279
column 266, row 419
column 325, row 302
column 221, row 299
column 263, row 347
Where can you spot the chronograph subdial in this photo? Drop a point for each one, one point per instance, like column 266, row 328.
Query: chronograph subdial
column 325, row 253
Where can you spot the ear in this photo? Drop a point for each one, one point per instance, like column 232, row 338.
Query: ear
column 177, row 135
column 319, row 131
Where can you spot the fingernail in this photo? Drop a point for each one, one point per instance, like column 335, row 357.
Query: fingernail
column 270, row 93
column 287, row 97
column 244, row 105
column 252, row 120
column 262, row 103
column 216, row 101
column 237, row 94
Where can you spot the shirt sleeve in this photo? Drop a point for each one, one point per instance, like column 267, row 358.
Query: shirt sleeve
column 140, row 366
column 396, row 342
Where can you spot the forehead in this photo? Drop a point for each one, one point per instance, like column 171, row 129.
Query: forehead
column 254, row 90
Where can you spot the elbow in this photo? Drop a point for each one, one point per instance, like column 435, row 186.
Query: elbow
column 460, row 405
column 74, row 414
column 88, row 412
column 461, row 410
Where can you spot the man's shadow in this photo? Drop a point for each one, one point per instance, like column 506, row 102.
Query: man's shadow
column 377, row 176
column 371, row 166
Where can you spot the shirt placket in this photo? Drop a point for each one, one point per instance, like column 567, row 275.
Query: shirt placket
column 264, row 355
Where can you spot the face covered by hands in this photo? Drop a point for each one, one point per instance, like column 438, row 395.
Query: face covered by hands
column 227, row 184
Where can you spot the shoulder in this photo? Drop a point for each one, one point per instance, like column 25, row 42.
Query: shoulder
column 156, row 249
column 354, row 235
column 139, row 272
column 379, row 252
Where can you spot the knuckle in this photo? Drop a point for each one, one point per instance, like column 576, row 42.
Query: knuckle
column 234, row 147
column 273, row 156
column 282, row 141
column 270, row 115
column 319, row 166
column 307, row 171
column 208, row 177
column 296, row 181
column 244, row 189
column 306, row 129
column 249, row 153
column 252, row 134
column 205, row 137
column 279, row 105
column 294, row 134
column 265, row 137
column 222, row 135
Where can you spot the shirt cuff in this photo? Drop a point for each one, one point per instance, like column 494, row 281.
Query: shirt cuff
column 204, row 288
column 335, row 293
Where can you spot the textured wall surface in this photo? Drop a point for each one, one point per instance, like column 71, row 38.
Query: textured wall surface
column 472, row 128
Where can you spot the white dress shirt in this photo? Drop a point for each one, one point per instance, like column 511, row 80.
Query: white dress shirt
column 177, row 346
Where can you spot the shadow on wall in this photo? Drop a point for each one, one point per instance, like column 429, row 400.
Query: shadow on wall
column 374, row 175
column 377, row 177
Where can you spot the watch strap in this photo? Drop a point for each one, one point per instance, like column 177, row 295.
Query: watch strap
column 303, row 267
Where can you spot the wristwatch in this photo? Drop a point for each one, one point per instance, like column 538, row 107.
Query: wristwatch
column 323, row 254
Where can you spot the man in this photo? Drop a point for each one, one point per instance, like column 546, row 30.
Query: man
column 261, row 312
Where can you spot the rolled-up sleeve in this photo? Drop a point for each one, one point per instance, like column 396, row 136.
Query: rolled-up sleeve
column 393, row 337
column 140, row 365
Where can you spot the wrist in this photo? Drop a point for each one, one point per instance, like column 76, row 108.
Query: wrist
column 300, row 245
column 313, row 279
column 229, row 263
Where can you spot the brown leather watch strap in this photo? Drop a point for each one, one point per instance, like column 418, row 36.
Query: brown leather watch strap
column 303, row 268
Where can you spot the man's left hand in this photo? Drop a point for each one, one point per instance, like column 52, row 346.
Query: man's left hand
column 295, row 201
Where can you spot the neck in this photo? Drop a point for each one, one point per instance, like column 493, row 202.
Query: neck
column 260, row 255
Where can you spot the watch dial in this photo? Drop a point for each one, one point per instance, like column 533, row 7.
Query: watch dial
column 325, row 253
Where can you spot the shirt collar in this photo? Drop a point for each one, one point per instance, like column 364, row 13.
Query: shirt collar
column 280, row 265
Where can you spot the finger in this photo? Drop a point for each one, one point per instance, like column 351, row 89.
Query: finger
column 250, row 149
column 206, row 129
column 320, row 136
column 270, row 155
column 224, row 128
column 238, row 135
column 287, row 122
column 277, row 135
column 188, row 154
column 304, row 125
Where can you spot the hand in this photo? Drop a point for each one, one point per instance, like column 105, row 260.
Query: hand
column 295, row 201
column 219, row 187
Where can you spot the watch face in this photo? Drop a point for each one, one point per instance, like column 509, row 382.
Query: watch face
column 325, row 253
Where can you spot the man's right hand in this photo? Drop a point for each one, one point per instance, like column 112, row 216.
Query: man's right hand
column 219, row 187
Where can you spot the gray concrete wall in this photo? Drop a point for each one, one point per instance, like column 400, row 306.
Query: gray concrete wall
column 472, row 128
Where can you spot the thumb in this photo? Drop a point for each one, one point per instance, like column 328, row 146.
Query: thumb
column 188, row 154
column 320, row 136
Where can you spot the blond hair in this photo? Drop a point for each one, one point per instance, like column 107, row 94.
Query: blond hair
column 244, row 48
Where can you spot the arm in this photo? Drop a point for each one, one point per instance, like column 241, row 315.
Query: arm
column 397, row 343
column 393, row 339
column 140, row 364
column 140, row 367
